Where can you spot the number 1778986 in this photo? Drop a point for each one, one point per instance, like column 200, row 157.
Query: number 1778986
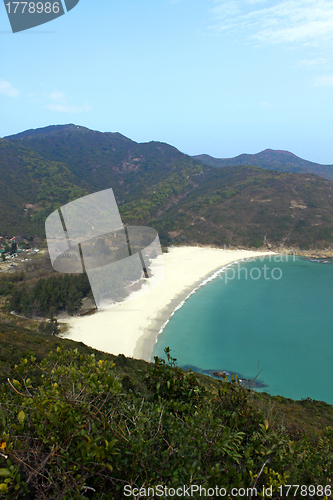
column 32, row 7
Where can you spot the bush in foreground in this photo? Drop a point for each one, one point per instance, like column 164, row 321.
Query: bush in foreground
column 80, row 434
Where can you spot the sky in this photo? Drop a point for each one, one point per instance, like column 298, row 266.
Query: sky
column 221, row 77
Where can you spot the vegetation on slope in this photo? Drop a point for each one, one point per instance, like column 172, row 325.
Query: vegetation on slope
column 81, row 424
column 253, row 207
column 31, row 188
column 33, row 289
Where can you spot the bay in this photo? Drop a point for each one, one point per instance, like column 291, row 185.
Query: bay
column 265, row 316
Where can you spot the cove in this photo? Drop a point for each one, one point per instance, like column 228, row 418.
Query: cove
column 279, row 323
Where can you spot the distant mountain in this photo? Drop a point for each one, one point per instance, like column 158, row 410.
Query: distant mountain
column 109, row 159
column 271, row 159
column 157, row 185
column 146, row 178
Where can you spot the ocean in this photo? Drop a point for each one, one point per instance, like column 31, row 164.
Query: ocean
column 271, row 318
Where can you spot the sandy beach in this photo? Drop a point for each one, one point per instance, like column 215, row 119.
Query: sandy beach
column 132, row 327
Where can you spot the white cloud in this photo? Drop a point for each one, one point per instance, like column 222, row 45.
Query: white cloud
column 278, row 21
column 227, row 9
column 324, row 80
column 310, row 63
column 6, row 88
column 57, row 95
column 67, row 108
column 61, row 103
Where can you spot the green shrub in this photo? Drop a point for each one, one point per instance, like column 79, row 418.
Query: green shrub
column 78, row 434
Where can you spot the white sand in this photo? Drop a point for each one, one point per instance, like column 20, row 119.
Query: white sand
column 132, row 327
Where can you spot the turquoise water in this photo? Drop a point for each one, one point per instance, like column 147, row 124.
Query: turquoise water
column 284, row 325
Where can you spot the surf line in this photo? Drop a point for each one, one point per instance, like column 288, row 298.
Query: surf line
column 204, row 282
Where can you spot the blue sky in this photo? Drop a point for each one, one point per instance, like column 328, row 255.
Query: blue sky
column 207, row 76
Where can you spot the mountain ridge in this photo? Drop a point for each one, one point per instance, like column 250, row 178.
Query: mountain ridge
column 186, row 201
column 271, row 159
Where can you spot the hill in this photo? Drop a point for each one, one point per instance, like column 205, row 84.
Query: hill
column 146, row 178
column 186, row 201
column 270, row 159
column 110, row 159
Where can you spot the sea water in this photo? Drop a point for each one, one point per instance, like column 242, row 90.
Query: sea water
column 271, row 318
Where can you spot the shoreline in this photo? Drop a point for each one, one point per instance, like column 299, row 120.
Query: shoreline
column 149, row 338
column 186, row 269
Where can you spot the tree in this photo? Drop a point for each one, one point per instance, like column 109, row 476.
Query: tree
column 51, row 327
column 13, row 248
column 73, row 300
